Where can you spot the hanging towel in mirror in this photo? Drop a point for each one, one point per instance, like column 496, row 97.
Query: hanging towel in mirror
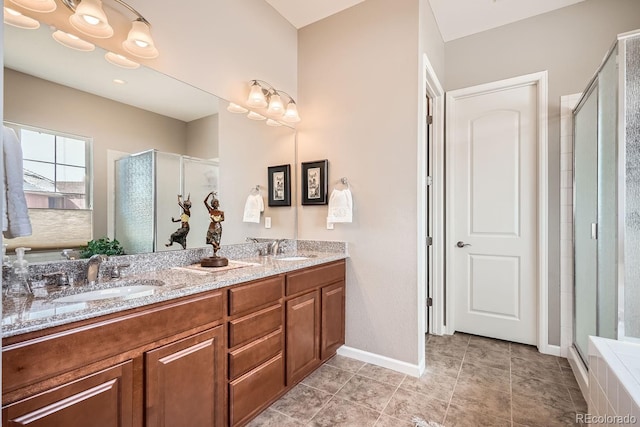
column 252, row 208
column 15, row 216
column 340, row 206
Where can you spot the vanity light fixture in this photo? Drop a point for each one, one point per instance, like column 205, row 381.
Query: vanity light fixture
column 121, row 61
column 72, row 41
column 43, row 6
column 17, row 19
column 262, row 95
column 90, row 19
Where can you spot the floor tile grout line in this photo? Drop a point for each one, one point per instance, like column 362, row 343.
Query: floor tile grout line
column 446, row 412
column 288, row 416
column 390, row 398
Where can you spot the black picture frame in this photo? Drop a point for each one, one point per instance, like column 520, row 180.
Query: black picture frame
column 314, row 182
column 279, row 178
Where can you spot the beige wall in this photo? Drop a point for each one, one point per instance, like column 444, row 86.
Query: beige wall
column 247, row 148
column 570, row 43
column 202, row 137
column 360, row 91
column 40, row 103
column 219, row 45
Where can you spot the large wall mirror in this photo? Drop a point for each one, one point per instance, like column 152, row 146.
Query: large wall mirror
column 79, row 95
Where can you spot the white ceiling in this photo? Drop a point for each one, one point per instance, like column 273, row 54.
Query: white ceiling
column 305, row 12
column 455, row 18
column 460, row 18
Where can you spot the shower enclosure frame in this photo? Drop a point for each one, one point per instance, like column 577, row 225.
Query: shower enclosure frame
column 619, row 49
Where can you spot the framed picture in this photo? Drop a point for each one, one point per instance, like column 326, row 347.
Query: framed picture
column 279, row 185
column 314, row 182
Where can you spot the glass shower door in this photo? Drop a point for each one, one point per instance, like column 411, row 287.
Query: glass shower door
column 585, row 221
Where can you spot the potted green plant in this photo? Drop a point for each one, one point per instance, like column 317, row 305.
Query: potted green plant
column 103, row 246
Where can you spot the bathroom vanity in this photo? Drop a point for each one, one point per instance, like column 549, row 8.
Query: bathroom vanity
column 204, row 351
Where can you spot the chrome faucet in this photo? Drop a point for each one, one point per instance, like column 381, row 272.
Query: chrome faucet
column 93, row 267
column 274, row 247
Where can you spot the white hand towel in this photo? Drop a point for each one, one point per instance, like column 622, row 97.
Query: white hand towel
column 15, row 216
column 252, row 208
column 340, row 206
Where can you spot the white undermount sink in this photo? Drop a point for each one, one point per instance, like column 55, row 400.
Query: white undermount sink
column 133, row 289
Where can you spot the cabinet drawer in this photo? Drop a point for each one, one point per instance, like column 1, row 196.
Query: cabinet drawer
column 254, row 295
column 251, row 392
column 253, row 354
column 314, row 277
column 254, row 325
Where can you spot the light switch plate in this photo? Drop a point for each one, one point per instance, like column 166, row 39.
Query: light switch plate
column 267, row 222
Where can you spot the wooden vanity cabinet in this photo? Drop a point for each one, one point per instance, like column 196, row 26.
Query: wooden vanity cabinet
column 158, row 363
column 315, row 307
column 212, row 359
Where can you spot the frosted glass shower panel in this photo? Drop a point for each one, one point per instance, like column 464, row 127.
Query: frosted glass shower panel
column 631, row 289
column 134, row 199
column 607, row 199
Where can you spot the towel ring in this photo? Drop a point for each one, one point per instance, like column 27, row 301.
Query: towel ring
column 255, row 190
column 345, row 181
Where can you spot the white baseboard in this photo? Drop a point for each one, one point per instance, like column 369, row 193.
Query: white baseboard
column 553, row 350
column 384, row 361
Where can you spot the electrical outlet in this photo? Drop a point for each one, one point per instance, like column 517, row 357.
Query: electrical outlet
column 329, row 225
column 267, row 222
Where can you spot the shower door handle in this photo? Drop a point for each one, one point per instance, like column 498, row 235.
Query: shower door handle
column 594, row 231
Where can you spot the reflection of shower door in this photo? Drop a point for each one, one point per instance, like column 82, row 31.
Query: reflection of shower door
column 585, row 221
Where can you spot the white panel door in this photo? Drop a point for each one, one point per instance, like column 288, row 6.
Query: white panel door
column 494, row 206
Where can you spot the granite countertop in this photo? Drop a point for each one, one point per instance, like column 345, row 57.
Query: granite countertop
column 39, row 311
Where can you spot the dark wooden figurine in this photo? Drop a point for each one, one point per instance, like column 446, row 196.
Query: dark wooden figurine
column 180, row 235
column 214, row 233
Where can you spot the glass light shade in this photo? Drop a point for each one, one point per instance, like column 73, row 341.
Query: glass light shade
column 256, row 97
column 255, row 116
column 44, row 6
column 235, row 108
column 139, row 42
column 275, row 104
column 274, row 123
column 121, row 61
column 16, row 19
column 90, row 19
column 291, row 114
column 72, row 41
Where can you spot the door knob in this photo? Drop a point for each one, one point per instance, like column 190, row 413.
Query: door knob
column 462, row 244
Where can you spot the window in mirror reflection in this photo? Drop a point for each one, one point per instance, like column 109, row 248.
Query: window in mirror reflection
column 57, row 186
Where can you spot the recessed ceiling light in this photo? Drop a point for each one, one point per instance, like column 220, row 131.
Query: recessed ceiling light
column 119, row 81
column 72, row 41
column 17, row 19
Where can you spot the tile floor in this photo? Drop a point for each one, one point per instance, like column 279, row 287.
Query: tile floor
column 470, row 381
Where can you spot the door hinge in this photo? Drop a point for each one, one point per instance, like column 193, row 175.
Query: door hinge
column 429, row 241
column 429, row 302
column 429, row 180
column 429, row 120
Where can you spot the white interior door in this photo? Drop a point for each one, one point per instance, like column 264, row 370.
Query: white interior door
column 494, row 211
